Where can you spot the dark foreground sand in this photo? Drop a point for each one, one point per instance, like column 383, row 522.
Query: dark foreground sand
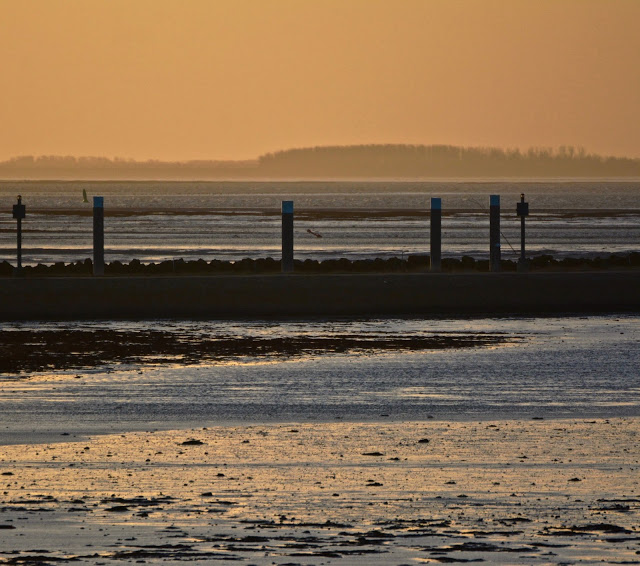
column 511, row 492
column 318, row 295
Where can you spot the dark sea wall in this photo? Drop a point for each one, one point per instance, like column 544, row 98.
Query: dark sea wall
column 318, row 295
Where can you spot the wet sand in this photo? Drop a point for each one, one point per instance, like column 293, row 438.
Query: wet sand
column 511, row 492
column 318, row 295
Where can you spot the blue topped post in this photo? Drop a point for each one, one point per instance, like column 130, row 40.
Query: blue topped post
column 436, row 235
column 98, row 235
column 494, row 233
column 287, row 236
column 19, row 213
column 522, row 210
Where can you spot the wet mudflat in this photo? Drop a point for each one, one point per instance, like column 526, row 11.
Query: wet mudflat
column 540, row 491
column 115, row 376
column 522, row 450
column 68, row 347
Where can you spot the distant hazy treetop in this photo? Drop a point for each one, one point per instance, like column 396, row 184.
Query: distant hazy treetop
column 357, row 161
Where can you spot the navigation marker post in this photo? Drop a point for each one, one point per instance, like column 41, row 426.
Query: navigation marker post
column 19, row 212
column 494, row 233
column 98, row 236
column 436, row 235
column 287, row 236
column 522, row 210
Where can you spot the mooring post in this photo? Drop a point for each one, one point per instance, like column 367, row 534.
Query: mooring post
column 494, row 233
column 98, row 235
column 522, row 209
column 19, row 212
column 287, row 236
column 436, row 235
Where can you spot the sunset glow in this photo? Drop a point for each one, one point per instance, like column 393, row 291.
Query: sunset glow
column 233, row 79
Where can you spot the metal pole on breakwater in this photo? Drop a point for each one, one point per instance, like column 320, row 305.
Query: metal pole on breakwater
column 287, row 236
column 98, row 236
column 435, row 239
column 19, row 212
column 522, row 210
column 494, row 233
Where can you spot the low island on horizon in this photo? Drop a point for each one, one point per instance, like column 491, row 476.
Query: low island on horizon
column 349, row 162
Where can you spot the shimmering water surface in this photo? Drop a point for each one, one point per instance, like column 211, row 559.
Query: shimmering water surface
column 155, row 221
column 545, row 367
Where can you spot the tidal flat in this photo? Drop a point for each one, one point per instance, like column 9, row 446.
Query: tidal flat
column 346, row 441
column 509, row 491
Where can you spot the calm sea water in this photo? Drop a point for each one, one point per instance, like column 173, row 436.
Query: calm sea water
column 154, row 221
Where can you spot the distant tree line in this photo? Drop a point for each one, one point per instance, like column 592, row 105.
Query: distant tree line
column 360, row 161
column 70, row 167
column 445, row 161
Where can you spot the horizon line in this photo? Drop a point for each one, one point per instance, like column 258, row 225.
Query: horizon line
column 505, row 149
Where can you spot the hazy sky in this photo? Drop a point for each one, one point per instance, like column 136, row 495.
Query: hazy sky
column 231, row 79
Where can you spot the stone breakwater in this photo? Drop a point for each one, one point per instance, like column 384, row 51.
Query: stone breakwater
column 412, row 264
column 256, row 296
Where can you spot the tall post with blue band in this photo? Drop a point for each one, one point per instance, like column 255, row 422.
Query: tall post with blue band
column 287, row 236
column 522, row 210
column 19, row 213
column 494, row 233
column 98, row 235
column 436, row 235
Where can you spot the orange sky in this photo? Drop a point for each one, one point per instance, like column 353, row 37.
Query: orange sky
column 231, row 79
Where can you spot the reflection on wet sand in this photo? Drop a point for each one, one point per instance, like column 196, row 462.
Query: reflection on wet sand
column 517, row 492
